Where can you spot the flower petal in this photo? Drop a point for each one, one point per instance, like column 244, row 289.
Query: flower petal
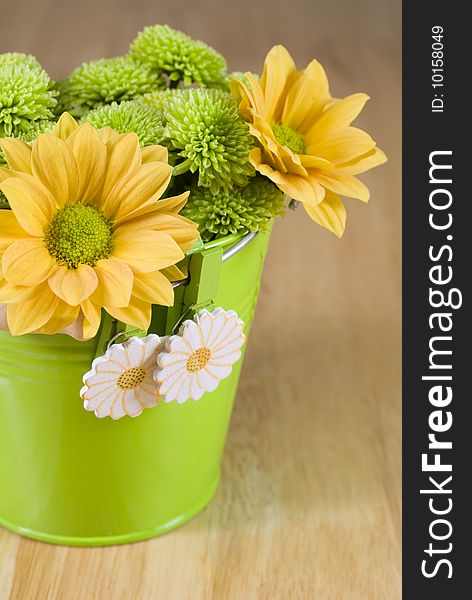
column 3, row 318
column 342, row 145
column 307, row 98
column 218, row 371
column 303, row 189
column 65, row 126
column 330, row 214
column 278, row 68
column 17, row 153
column 135, row 350
column 63, row 317
column 206, row 381
column 11, row 293
column 27, row 262
column 155, row 154
column 75, row 329
column 118, row 408
column 310, row 162
column 6, row 174
column 73, row 285
column 138, row 313
column 118, row 356
column 371, row 159
column 107, row 134
column 173, row 203
column 31, row 203
column 144, row 184
column 132, row 406
column 153, row 345
column 191, row 332
column 30, row 316
column 182, row 230
column 91, row 156
column 244, row 97
column 146, row 397
column 338, row 116
column 115, row 282
column 110, row 403
column 255, row 96
column 146, row 251
column 292, row 162
column 345, row 185
column 154, row 288
column 173, row 273
column 123, row 156
column 55, row 166
column 92, row 318
column 272, row 149
column 10, row 230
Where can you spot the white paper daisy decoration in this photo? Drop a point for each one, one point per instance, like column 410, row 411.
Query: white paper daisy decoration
column 200, row 356
column 121, row 381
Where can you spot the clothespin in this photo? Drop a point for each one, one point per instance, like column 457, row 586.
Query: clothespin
column 204, row 271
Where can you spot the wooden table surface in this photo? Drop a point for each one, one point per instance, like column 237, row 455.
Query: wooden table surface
column 309, row 502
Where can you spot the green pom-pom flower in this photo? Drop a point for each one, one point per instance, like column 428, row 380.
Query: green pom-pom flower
column 105, row 81
column 131, row 116
column 243, row 209
column 25, row 96
column 179, row 56
column 206, row 129
column 157, row 99
column 35, row 129
column 18, row 58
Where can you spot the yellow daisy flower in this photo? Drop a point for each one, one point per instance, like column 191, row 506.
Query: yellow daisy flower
column 307, row 146
column 87, row 230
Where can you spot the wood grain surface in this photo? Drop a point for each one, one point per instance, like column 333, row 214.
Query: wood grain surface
column 309, row 503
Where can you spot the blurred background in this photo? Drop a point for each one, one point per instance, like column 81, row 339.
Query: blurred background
column 309, row 503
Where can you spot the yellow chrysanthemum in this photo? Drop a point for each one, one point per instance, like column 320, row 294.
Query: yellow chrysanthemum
column 307, row 147
column 87, row 230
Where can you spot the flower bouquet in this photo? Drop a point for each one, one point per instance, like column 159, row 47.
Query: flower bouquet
column 136, row 202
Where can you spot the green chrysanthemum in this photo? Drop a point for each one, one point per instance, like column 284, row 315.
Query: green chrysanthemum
column 18, row 58
column 206, row 129
column 105, row 81
column 157, row 99
column 179, row 56
column 243, row 209
column 25, row 96
column 131, row 116
column 35, row 129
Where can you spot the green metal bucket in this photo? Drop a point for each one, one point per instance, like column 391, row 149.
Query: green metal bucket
column 67, row 477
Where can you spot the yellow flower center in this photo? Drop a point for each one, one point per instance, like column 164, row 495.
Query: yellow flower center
column 79, row 234
column 286, row 136
column 131, row 378
column 198, row 360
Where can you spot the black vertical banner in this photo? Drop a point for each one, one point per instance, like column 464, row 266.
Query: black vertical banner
column 437, row 265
